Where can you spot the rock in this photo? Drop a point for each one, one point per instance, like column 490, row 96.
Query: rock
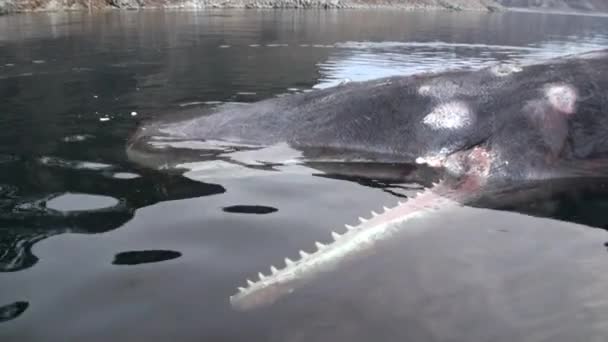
column 568, row 5
column 128, row 4
column 6, row 6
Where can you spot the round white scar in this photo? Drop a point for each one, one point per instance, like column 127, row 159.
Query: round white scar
column 562, row 97
column 450, row 115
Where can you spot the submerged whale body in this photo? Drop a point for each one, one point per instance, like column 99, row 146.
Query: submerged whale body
column 487, row 131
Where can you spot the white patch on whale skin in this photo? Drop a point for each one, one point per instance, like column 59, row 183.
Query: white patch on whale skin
column 502, row 70
column 443, row 88
column 450, row 115
column 435, row 159
column 562, row 97
column 424, row 90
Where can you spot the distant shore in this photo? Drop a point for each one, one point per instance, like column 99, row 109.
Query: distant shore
column 556, row 11
column 16, row 6
column 20, row 6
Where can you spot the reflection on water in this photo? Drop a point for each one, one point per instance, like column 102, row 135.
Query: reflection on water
column 79, row 202
column 27, row 217
column 360, row 61
column 144, row 257
column 250, row 209
column 12, row 311
column 73, row 164
column 125, row 175
column 63, row 130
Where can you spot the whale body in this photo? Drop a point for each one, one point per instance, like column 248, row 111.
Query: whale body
column 485, row 131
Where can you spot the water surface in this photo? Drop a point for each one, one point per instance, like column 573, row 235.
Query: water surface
column 94, row 248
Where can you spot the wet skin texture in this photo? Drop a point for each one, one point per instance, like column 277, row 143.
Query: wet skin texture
column 531, row 119
column 491, row 132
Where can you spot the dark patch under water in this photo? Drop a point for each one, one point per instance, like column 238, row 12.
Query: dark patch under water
column 250, row 209
column 12, row 311
column 74, row 87
column 144, row 257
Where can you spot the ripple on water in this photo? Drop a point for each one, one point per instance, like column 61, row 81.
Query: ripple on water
column 7, row 158
column 12, row 311
column 77, row 137
column 250, row 209
column 73, row 164
column 7, row 190
column 70, row 202
column 144, row 257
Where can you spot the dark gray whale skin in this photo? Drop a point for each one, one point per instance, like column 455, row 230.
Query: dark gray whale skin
column 490, row 132
column 382, row 120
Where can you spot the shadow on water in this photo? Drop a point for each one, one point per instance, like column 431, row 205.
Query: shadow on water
column 12, row 311
column 27, row 217
column 582, row 201
column 250, row 209
column 144, row 257
column 484, row 276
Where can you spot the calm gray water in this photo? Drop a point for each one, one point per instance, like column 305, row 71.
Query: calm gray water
column 93, row 248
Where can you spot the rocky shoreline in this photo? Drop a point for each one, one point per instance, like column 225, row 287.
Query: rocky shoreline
column 12, row 6
column 15, row 6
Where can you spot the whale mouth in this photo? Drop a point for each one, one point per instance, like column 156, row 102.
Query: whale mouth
column 354, row 243
column 359, row 239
